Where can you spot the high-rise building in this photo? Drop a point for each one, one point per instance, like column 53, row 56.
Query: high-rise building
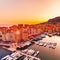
column 17, row 36
column 0, row 35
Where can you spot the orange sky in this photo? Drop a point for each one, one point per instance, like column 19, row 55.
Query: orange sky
column 28, row 11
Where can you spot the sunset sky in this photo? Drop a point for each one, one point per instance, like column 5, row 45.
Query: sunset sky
column 28, row 11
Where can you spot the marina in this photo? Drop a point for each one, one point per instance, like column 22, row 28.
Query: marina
column 46, row 53
column 30, row 30
column 45, row 49
column 4, row 52
column 18, row 55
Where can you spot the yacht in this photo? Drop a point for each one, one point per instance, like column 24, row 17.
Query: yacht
column 30, row 58
column 7, row 58
column 26, row 58
column 42, row 36
column 53, row 47
column 45, row 44
column 41, row 43
column 50, row 35
column 58, row 34
column 36, row 53
column 30, row 52
column 16, row 55
column 37, row 43
column 54, row 44
column 24, row 51
column 50, row 46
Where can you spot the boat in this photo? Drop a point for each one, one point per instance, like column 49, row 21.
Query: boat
column 24, row 51
column 42, row 36
column 24, row 46
column 54, row 44
column 50, row 46
column 45, row 44
column 30, row 58
column 26, row 58
column 7, row 58
column 15, row 55
column 30, row 52
column 58, row 34
column 41, row 43
column 36, row 53
column 37, row 43
column 53, row 47
column 50, row 35
column 21, row 58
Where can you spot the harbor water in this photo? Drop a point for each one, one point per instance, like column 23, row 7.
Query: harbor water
column 47, row 53
column 4, row 52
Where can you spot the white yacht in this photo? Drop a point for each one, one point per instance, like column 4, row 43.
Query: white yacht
column 41, row 43
column 26, row 44
column 36, row 53
column 50, row 35
column 30, row 58
column 16, row 55
column 37, row 43
column 45, row 44
column 52, row 46
column 26, row 58
column 30, row 52
column 42, row 36
column 7, row 58
column 24, row 51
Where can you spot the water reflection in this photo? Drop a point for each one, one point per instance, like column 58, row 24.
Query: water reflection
column 47, row 53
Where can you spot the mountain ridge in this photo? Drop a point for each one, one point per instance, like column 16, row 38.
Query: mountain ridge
column 54, row 20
